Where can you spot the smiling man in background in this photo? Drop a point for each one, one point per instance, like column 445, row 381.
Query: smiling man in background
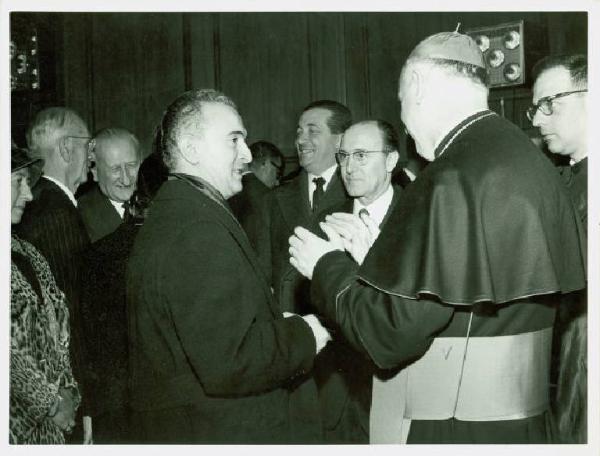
column 115, row 153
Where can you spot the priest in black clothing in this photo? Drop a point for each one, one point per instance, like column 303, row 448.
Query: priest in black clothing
column 560, row 112
column 463, row 281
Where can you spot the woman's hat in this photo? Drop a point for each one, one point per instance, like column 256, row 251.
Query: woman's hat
column 20, row 158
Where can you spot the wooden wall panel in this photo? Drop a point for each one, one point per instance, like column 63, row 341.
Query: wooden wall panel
column 356, row 67
column 326, row 43
column 264, row 68
column 77, row 70
column 125, row 68
column 137, row 70
column 390, row 42
column 203, row 43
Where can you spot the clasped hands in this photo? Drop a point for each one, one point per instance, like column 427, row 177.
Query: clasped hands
column 344, row 231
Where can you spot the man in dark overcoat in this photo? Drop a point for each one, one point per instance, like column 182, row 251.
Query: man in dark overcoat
column 212, row 358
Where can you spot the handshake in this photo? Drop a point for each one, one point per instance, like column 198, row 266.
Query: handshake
column 321, row 334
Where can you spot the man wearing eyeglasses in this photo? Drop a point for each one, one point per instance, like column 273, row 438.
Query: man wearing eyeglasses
column 459, row 288
column 51, row 222
column 368, row 155
column 560, row 112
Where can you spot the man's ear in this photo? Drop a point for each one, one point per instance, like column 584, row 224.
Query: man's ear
column 338, row 140
column 391, row 160
column 64, row 150
column 416, row 84
column 94, row 166
column 188, row 150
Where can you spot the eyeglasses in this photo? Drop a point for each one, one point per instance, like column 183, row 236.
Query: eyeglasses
column 90, row 142
column 359, row 156
column 545, row 104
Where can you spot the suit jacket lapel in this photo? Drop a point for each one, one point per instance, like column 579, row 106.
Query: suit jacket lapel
column 293, row 201
column 335, row 191
column 227, row 218
column 107, row 214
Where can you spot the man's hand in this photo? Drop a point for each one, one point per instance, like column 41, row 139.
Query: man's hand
column 322, row 336
column 306, row 248
column 358, row 233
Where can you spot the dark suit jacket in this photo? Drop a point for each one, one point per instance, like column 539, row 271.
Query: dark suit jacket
column 104, row 323
column 285, row 208
column 53, row 225
column 98, row 214
column 246, row 204
column 344, row 376
column 211, row 357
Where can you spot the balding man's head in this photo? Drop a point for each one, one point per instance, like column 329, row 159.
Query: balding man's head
column 116, row 156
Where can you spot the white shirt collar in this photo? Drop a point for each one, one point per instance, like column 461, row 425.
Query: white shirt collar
column 572, row 161
column 118, row 205
column 64, row 188
column 378, row 208
column 327, row 175
column 412, row 176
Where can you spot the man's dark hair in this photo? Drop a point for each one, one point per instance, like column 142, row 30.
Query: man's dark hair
column 263, row 151
column 151, row 176
column 340, row 118
column 576, row 64
column 183, row 113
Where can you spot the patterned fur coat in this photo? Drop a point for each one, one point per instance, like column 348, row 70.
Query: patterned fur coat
column 39, row 350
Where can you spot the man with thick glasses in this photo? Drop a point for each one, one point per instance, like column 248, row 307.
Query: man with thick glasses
column 460, row 286
column 51, row 222
column 560, row 112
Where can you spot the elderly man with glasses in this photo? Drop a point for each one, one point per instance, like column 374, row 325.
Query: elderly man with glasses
column 51, row 222
column 560, row 112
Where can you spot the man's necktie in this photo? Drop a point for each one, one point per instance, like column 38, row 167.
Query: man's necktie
column 125, row 207
column 318, row 192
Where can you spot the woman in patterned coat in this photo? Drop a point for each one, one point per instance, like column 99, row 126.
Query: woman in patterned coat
column 43, row 393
